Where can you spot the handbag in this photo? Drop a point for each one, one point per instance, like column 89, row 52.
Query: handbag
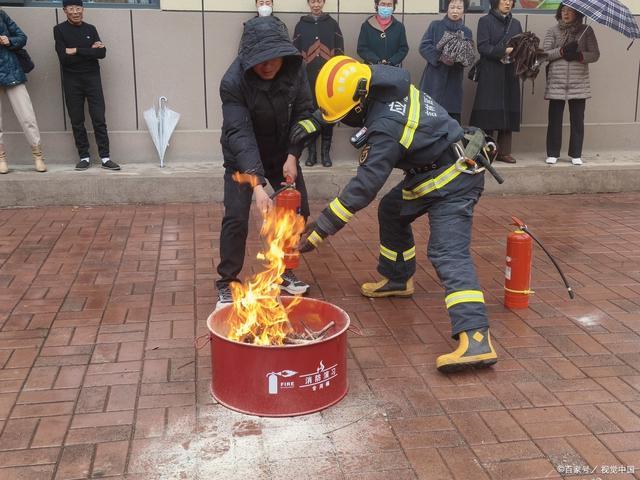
column 24, row 59
column 474, row 72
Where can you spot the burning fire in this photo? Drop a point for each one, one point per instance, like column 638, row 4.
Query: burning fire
column 258, row 315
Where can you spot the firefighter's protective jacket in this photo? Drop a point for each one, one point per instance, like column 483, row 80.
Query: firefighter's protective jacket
column 406, row 129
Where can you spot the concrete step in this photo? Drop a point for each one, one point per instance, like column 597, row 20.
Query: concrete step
column 146, row 183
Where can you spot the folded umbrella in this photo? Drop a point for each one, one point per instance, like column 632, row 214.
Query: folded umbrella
column 161, row 124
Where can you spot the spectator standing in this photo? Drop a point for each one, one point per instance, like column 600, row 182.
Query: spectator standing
column 12, row 83
column 79, row 48
column 497, row 101
column 383, row 39
column 570, row 46
column 318, row 37
column 264, row 93
column 442, row 78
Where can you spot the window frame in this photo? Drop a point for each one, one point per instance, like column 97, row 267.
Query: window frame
column 155, row 4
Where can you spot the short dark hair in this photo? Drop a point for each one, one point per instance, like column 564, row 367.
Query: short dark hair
column 395, row 2
column 495, row 3
column 465, row 4
column 579, row 16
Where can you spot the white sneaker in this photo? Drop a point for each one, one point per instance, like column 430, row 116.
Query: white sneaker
column 576, row 161
column 292, row 285
column 551, row 160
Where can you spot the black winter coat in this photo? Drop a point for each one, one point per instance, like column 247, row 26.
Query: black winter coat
column 375, row 45
column 318, row 39
column 442, row 82
column 10, row 70
column 258, row 114
column 497, row 101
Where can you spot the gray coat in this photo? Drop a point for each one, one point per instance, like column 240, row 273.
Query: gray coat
column 569, row 80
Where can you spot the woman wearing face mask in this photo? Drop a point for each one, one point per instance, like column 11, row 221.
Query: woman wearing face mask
column 265, row 9
column 570, row 46
column 383, row 39
column 443, row 76
column 497, row 102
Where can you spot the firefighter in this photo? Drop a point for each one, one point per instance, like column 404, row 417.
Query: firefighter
column 404, row 128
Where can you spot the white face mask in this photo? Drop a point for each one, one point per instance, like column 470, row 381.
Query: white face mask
column 265, row 10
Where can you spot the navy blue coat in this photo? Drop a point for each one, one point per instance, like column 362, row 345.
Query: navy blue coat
column 10, row 70
column 497, row 102
column 375, row 45
column 442, row 82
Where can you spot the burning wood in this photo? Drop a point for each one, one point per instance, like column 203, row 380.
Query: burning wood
column 297, row 338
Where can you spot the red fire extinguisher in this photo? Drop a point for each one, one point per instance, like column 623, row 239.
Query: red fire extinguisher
column 290, row 199
column 517, row 285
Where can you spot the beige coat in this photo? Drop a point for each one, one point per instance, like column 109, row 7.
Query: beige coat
column 569, row 80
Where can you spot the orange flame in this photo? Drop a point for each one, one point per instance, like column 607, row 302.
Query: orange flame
column 258, row 315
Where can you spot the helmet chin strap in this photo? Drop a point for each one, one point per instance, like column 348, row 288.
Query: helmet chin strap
column 361, row 90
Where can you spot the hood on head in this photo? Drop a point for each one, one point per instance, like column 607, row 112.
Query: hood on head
column 265, row 38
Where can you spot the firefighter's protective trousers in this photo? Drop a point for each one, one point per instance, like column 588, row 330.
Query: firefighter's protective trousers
column 450, row 211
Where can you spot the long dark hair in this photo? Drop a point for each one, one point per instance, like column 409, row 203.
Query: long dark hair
column 579, row 16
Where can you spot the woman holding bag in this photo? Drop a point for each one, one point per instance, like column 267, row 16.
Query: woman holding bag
column 570, row 46
column 12, row 83
column 497, row 101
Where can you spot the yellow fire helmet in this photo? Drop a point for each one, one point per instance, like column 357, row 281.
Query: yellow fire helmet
column 341, row 84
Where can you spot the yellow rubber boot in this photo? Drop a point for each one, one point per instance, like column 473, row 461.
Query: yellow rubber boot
column 387, row 288
column 4, row 168
column 474, row 350
column 38, row 159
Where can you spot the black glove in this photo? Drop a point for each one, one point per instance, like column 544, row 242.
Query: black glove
column 311, row 238
column 572, row 56
column 570, row 47
column 305, row 130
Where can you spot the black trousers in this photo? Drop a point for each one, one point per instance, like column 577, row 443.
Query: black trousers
column 77, row 90
column 554, row 128
column 235, row 223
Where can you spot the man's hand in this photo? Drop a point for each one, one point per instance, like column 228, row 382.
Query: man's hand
column 311, row 238
column 4, row 40
column 305, row 130
column 71, row 51
column 290, row 169
column 263, row 202
column 98, row 45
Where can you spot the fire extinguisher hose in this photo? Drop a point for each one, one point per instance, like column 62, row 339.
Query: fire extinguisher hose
column 520, row 224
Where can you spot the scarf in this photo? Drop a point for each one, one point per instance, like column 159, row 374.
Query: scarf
column 384, row 22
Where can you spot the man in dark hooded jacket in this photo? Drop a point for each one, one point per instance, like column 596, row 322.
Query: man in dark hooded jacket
column 264, row 93
column 406, row 129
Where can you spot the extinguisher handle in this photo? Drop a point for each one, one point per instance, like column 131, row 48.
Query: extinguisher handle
column 288, row 180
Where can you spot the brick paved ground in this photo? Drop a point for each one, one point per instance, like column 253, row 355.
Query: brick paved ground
column 99, row 308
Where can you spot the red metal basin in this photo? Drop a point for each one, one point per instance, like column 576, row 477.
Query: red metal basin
column 281, row 381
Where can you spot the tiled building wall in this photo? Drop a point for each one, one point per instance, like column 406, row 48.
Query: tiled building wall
column 183, row 55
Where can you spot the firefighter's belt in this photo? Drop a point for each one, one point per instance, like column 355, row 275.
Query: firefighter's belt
column 448, row 157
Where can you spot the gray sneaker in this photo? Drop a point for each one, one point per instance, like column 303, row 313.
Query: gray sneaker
column 224, row 297
column 292, row 285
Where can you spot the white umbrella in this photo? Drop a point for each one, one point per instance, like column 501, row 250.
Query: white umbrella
column 161, row 124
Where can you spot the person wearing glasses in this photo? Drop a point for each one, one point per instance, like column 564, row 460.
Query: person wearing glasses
column 497, row 102
column 79, row 49
column 383, row 39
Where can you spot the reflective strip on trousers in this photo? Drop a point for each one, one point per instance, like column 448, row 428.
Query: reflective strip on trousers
column 315, row 239
column 432, row 184
column 409, row 254
column 393, row 256
column 464, row 296
column 340, row 211
column 413, row 120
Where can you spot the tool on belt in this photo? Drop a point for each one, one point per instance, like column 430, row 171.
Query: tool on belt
column 476, row 152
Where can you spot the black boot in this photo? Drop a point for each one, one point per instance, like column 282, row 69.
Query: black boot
column 312, row 159
column 327, row 134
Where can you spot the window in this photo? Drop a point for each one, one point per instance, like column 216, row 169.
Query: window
column 91, row 3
